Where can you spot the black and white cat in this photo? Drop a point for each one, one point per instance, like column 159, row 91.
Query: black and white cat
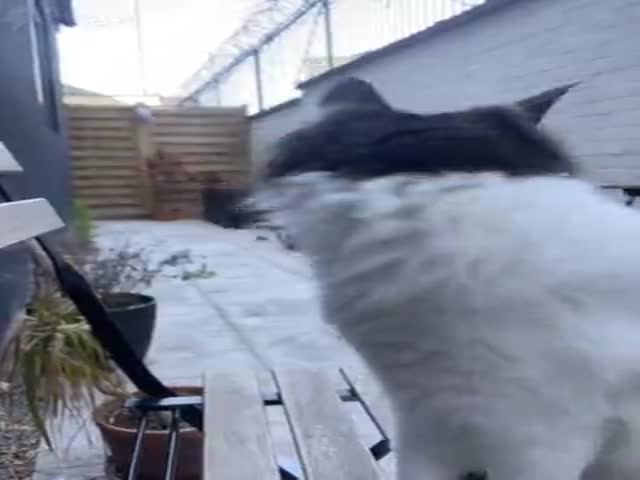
column 494, row 294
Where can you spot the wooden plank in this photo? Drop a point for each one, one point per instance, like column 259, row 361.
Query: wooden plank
column 103, row 143
column 93, row 113
column 236, row 444
column 7, row 161
column 99, row 133
column 26, row 219
column 238, row 131
column 230, row 167
column 78, row 152
column 324, row 433
column 88, row 173
column 197, row 140
column 201, row 111
column 115, row 213
column 97, row 191
column 101, row 182
column 201, row 149
column 105, row 163
column 373, row 398
column 111, row 201
column 175, row 120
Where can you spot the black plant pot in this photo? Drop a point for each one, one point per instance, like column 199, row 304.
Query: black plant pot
column 135, row 316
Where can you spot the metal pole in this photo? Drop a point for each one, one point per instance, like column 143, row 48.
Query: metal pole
column 258, row 73
column 328, row 33
column 140, row 47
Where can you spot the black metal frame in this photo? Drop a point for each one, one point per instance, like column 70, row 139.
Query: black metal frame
column 174, row 405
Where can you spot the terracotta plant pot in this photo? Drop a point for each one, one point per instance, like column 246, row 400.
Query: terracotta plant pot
column 120, row 441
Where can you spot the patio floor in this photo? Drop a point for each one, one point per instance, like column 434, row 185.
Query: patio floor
column 260, row 309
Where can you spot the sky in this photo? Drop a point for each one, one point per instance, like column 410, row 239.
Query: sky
column 101, row 54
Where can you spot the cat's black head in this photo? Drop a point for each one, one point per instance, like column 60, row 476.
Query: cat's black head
column 360, row 135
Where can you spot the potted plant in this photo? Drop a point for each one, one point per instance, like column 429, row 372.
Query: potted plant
column 119, row 275
column 172, row 187
column 55, row 358
column 118, row 426
column 65, row 372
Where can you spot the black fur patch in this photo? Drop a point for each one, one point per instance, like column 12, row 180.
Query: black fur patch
column 360, row 135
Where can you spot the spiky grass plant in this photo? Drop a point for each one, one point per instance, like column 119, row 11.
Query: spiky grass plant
column 57, row 360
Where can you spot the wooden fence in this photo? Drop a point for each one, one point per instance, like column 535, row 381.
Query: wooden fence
column 127, row 164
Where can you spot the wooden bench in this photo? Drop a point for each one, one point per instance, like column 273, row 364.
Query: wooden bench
column 238, row 442
column 21, row 220
column 24, row 219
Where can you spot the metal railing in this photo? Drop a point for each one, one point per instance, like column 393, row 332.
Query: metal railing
column 260, row 68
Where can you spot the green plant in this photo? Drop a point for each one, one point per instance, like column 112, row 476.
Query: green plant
column 129, row 269
column 53, row 353
column 82, row 222
column 56, row 358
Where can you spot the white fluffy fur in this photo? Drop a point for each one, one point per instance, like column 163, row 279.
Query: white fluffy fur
column 502, row 316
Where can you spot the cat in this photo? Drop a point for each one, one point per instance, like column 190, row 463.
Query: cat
column 492, row 291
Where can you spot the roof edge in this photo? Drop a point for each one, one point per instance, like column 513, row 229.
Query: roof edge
column 275, row 108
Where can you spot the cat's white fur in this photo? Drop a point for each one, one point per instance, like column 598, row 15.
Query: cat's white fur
column 502, row 315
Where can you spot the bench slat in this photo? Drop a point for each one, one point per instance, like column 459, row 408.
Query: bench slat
column 324, row 433
column 7, row 161
column 237, row 445
column 373, row 398
column 26, row 219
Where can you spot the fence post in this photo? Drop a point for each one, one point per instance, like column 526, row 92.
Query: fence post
column 146, row 149
column 326, row 5
column 258, row 78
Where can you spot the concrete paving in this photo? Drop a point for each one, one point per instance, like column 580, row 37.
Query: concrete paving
column 259, row 310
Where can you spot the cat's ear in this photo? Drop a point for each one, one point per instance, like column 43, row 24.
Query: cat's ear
column 353, row 92
column 537, row 106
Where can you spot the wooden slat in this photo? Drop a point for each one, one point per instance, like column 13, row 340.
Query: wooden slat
column 199, row 109
column 94, row 191
column 236, row 444
column 232, row 130
column 97, row 124
column 7, row 162
column 100, row 133
column 110, row 163
column 230, row 149
column 110, row 201
column 114, row 213
column 198, row 139
column 373, row 398
column 100, row 153
column 95, row 113
column 323, row 431
column 175, row 120
column 26, row 219
column 104, row 143
column 100, row 182
column 87, row 173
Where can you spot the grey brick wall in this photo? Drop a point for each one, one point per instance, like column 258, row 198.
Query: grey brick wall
column 518, row 49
